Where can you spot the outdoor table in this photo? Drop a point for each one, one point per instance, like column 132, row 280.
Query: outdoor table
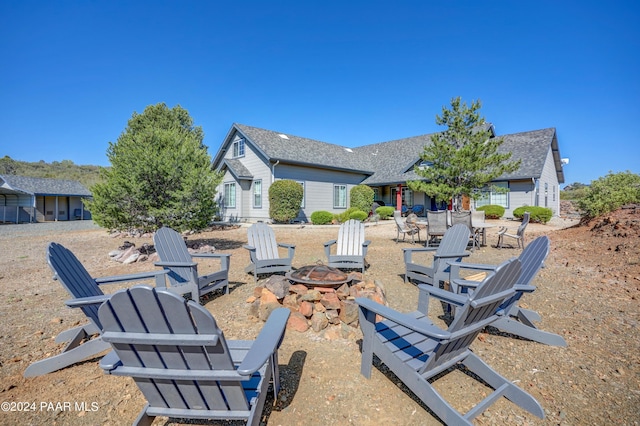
column 482, row 227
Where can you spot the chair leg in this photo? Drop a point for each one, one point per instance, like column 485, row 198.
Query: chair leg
column 84, row 351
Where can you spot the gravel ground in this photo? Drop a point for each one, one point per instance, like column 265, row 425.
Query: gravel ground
column 588, row 293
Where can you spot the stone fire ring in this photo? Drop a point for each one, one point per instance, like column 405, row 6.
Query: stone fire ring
column 318, row 275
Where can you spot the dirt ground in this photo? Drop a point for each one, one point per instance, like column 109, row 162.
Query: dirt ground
column 588, row 293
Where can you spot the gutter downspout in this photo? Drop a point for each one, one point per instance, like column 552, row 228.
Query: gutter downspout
column 273, row 171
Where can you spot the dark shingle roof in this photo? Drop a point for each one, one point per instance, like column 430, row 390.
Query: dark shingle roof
column 237, row 169
column 392, row 162
column 43, row 186
column 299, row 150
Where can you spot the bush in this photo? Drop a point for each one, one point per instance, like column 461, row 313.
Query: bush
column 385, row 212
column 536, row 214
column 609, row 193
column 492, row 211
column 358, row 215
column 285, row 197
column 345, row 215
column 362, row 197
column 321, row 217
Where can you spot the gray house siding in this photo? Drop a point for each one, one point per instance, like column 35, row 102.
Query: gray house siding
column 521, row 193
column 548, row 192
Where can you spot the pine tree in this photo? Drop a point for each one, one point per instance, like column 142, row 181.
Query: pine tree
column 463, row 159
column 160, row 175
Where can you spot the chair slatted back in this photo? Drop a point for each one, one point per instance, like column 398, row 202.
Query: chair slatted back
column 261, row 236
column 479, row 311
column 455, row 240
column 158, row 316
column 437, row 221
column 350, row 238
column 171, row 247
column 74, row 277
column 523, row 225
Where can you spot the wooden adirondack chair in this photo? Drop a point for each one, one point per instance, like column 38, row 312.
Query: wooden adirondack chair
column 452, row 248
column 351, row 247
column 178, row 356
column 88, row 296
column 464, row 217
column 437, row 225
column 514, row 319
column 263, row 251
column 418, row 352
column 518, row 236
column 405, row 228
column 183, row 271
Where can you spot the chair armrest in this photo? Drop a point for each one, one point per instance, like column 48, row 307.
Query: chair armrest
column 176, row 264
column 248, row 247
column 419, row 326
column 87, row 301
column 130, row 277
column 479, row 266
column 524, row 288
column 444, row 295
column 366, row 243
column 289, row 246
column 330, row 242
column 211, row 255
column 408, row 252
column 110, row 361
column 266, row 343
column 452, row 256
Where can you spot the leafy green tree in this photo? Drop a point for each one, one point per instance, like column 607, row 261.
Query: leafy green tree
column 609, row 193
column 160, row 175
column 463, row 159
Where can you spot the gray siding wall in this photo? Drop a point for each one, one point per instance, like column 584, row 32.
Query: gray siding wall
column 521, row 193
column 549, row 195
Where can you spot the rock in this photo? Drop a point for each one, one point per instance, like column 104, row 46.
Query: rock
column 343, row 291
column 332, row 316
column 278, row 285
column 311, row 296
column 267, row 297
column 330, row 301
column 265, row 309
column 251, row 299
column 291, row 301
column 297, row 322
column 257, row 291
column 319, row 307
column 132, row 259
column 306, row 308
column 298, row 289
column 114, row 253
column 319, row 321
column 348, row 312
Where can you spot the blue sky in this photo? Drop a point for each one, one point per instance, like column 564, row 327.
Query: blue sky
column 345, row 72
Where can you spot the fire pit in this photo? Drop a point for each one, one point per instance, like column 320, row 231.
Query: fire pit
column 318, row 275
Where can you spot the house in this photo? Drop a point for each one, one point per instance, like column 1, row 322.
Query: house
column 252, row 158
column 28, row 199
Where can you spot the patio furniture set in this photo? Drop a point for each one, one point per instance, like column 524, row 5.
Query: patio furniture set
column 179, row 358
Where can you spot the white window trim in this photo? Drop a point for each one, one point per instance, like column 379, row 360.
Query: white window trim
column 254, row 194
column 336, row 187
column 227, row 204
column 238, row 148
column 301, row 182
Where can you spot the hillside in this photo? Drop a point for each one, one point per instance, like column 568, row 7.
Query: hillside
column 65, row 169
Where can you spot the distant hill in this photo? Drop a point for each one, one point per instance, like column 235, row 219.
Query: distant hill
column 65, row 169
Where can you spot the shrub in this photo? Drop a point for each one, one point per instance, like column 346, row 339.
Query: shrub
column 362, row 197
column 358, row 215
column 492, row 211
column 385, row 212
column 609, row 193
column 321, row 217
column 345, row 215
column 285, row 197
column 536, row 214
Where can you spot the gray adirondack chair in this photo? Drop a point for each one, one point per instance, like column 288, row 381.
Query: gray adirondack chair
column 263, row 251
column 418, row 352
column 515, row 319
column 87, row 295
column 518, row 236
column 437, row 225
column 351, row 247
column 405, row 228
column 178, row 356
column 451, row 248
column 183, row 271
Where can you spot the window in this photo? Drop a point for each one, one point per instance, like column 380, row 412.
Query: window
column 302, row 203
column 257, row 194
column 238, row 148
column 492, row 197
column 230, row 195
column 339, row 196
